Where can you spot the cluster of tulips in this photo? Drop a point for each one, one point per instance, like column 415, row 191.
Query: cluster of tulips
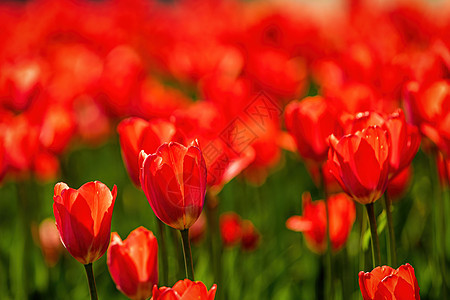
column 374, row 86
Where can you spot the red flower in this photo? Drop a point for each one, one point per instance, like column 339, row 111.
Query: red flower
column 174, row 181
column 360, row 163
column 398, row 185
column 83, row 218
column 250, row 236
column 387, row 283
column 429, row 106
column 230, row 229
column 313, row 223
column 405, row 141
column 404, row 138
column 310, row 122
column 136, row 134
column 49, row 241
column 184, row 290
column 133, row 263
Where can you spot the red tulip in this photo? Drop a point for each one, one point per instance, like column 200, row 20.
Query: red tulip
column 136, row 134
column 405, row 141
column 83, row 218
column 185, row 290
column 429, row 107
column 230, row 229
column 360, row 163
column 387, row 283
column 49, row 241
column 310, row 122
column 313, row 223
column 174, row 181
column 133, row 263
column 250, row 236
column 404, row 138
column 58, row 127
column 399, row 184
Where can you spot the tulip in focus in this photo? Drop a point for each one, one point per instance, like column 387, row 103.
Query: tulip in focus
column 313, row 223
column 360, row 163
column 184, row 290
column 83, row 218
column 133, row 263
column 387, row 283
column 174, row 181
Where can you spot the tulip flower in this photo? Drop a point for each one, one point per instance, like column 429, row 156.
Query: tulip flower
column 83, row 218
column 136, row 134
column 360, row 163
column 174, row 181
column 49, row 242
column 387, row 283
column 133, row 263
column 184, row 290
column 429, row 107
column 313, row 222
column 404, row 138
column 230, row 229
column 398, row 185
column 250, row 236
column 310, row 122
column 405, row 142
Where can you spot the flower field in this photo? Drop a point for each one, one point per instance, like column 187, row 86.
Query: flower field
column 200, row 149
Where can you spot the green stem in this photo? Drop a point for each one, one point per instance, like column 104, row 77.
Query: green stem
column 376, row 257
column 439, row 219
column 163, row 253
column 91, row 280
column 329, row 288
column 362, row 228
column 392, row 247
column 214, row 240
column 187, row 254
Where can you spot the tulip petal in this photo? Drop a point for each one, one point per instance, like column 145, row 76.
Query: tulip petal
column 299, row 224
